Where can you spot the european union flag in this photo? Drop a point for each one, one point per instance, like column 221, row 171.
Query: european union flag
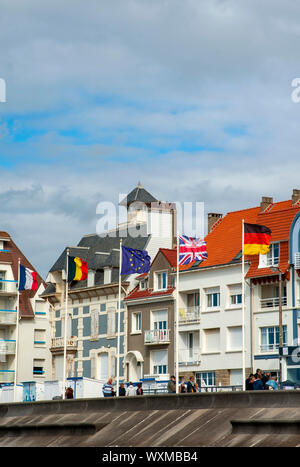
column 134, row 261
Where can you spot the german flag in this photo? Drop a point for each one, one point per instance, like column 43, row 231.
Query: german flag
column 77, row 269
column 256, row 239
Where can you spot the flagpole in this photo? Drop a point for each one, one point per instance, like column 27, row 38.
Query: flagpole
column 66, row 325
column 177, row 319
column 243, row 309
column 17, row 335
column 119, row 320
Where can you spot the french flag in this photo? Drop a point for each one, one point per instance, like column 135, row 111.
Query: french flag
column 27, row 279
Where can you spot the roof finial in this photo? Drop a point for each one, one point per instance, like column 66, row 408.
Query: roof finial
column 140, row 185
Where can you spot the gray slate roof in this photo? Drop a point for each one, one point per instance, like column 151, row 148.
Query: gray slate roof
column 138, row 194
column 100, row 252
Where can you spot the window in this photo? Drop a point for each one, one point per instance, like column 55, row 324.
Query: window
column 234, row 338
column 86, row 309
column 143, row 285
column 236, row 299
column 111, row 322
column 38, row 367
column 270, row 338
column 2, row 278
column 103, row 307
column 94, row 323
column 193, row 299
column 213, row 300
column 159, row 319
column 206, row 378
column 39, row 336
column 160, row 362
column 211, row 340
column 136, row 322
column 273, row 255
column 75, row 311
column 161, row 280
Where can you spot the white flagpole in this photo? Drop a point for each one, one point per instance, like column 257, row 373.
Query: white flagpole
column 119, row 320
column 66, row 325
column 17, row 335
column 177, row 319
column 243, row 309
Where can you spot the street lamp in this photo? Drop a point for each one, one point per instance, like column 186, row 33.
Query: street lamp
column 276, row 269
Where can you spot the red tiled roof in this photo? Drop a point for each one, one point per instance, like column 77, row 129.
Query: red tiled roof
column 224, row 242
column 136, row 293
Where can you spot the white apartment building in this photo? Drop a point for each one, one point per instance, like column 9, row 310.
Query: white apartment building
column 210, row 299
column 33, row 339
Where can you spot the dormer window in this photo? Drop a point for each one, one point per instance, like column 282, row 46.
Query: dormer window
column 161, row 280
column 273, row 255
column 143, row 284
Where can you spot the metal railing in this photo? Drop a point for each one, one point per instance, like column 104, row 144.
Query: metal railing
column 8, row 286
column 272, row 302
column 157, row 336
column 270, row 347
column 58, row 342
column 188, row 357
column 8, row 316
column 189, row 315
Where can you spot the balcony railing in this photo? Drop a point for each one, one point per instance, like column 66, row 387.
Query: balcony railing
column 8, row 287
column 189, row 315
column 8, row 317
column 188, row 357
column 270, row 347
column 297, row 260
column 7, row 376
column 7, row 347
column 272, row 302
column 157, row 336
column 58, row 342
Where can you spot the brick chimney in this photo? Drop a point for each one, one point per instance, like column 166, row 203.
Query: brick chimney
column 265, row 202
column 295, row 196
column 212, row 218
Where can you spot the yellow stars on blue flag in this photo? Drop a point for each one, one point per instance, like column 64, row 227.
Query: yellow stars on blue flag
column 135, row 261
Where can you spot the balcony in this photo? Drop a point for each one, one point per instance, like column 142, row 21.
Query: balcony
column 8, row 287
column 7, row 347
column 157, row 336
column 190, row 315
column 7, row 376
column 189, row 357
column 57, row 344
column 270, row 347
column 272, row 302
column 8, row 317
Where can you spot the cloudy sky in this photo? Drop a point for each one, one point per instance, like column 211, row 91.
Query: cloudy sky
column 192, row 98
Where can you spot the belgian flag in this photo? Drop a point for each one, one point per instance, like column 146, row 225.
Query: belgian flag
column 256, row 239
column 77, row 269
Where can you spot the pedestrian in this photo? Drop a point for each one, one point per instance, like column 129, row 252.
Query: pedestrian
column 131, row 390
column 182, row 386
column 272, row 383
column 122, row 390
column 249, row 382
column 107, row 389
column 172, row 385
column 69, row 393
column 257, row 383
column 139, row 391
column 191, row 384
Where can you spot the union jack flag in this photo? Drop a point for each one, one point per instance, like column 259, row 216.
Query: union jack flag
column 191, row 249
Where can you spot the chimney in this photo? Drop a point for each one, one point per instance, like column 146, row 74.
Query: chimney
column 295, row 196
column 212, row 218
column 265, row 202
